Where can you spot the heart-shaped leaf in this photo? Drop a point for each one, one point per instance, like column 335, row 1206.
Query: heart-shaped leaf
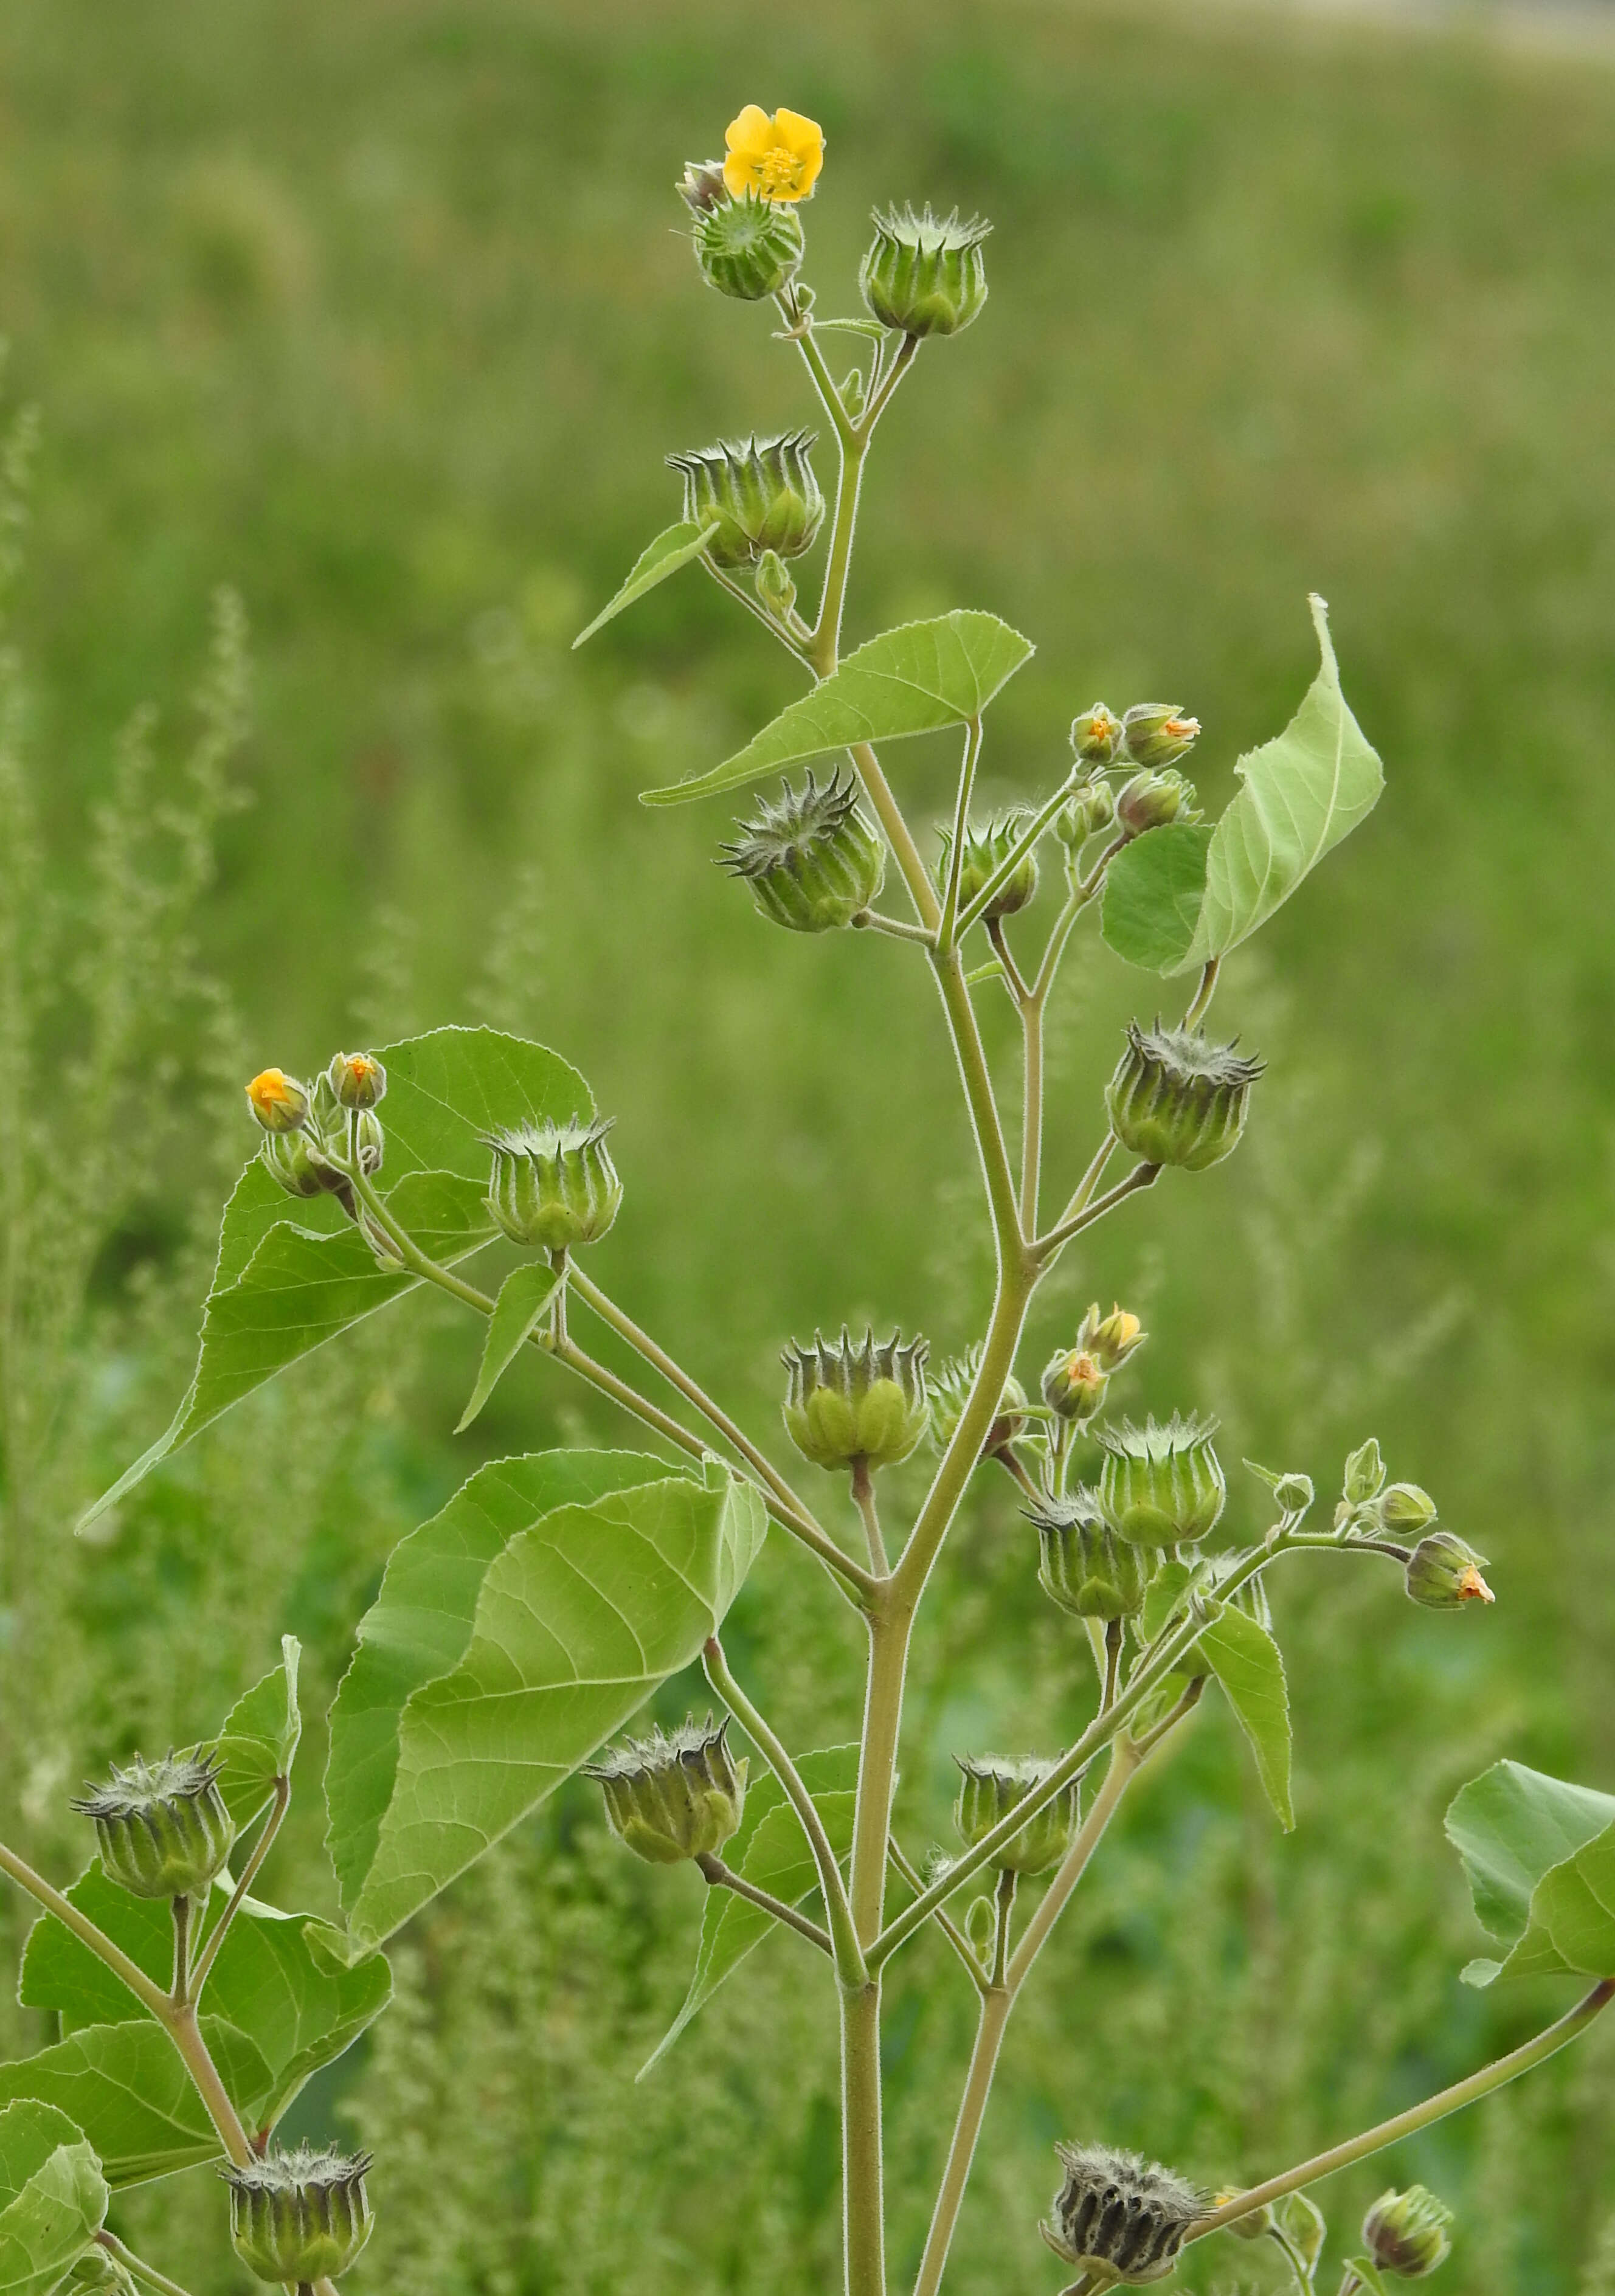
column 53, row 2197
column 1540, row 1858
column 124, row 2085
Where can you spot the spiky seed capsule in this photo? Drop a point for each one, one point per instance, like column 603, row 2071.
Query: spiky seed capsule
column 1157, row 733
column 991, row 1789
column 358, row 1079
column 1162, row 1486
column 702, row 187
column 757, row 493
column 1443, row 1574
column 554, row 1186
column 1150, row 801
column 161, row 1828
column 951, row 1386
column 299, row 2215
column 986, row 850
column 279, row 1102
column 1110, row 1339
column 1096, row 735
column 1074, row 1384
column 1404, row 1507
column 1407, row 2234
column 849, row 1399
column 812, row 860
column 674, row 1797
column 1176, row 1099
column 924, row 274
column 1365, row 1474
column 1083, row 1565
column 1120, row 2211
column 748, row 247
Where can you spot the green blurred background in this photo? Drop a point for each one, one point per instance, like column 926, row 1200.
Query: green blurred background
column 381, row 315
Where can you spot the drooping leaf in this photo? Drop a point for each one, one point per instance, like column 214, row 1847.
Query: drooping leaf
column 562, row 1615
column 915, row 679
column 769, row 1849
column 53, row 2197
column 1154, row 890
column 1511, row 1826
column 282, row 1981
column 1246, row 1660
column 260, row 1740
column 524, row 1296
column 293, row 1271
column 674, row 548
column 125, row 2087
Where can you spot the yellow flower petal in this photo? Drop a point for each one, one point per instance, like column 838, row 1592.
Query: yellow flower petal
column 776, row 159
column 749, row 132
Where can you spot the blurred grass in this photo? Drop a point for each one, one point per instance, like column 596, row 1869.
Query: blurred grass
column 382, row 315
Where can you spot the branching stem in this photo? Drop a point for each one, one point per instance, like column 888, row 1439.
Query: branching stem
column 723, row 1877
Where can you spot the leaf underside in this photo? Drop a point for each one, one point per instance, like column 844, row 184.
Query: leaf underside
column 1539, row 1855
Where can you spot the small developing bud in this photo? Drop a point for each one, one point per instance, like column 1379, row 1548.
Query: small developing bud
column 1118, row 2211
column 702, row 187
column 950, row 1390
column 1150, row 801
column 812, row 860
column 850, row 1401
column 852, row 392
column 279, row 1103
column 986, row 850
column 358, row 1079
column 981, row 1927
column 1111, row 1338
column 1090, row 810
column 161, row 1828
column 1365, row 1474
column 670, row 1798
column 747, row 248
column 756, row 494
column 1074, row 1384
column 1443, row 1574
column 1176, row 1099
column 1162, row 1486
column 924, row 274
column 1294, row 1493
column 554, row 1186
column 1083, row 1565
column 1404, row 1507
column 1406, row 2234
column 991, row 1789
column 1096, row 735
column 773, row 586
column 1156, row 734
column 301, row 2215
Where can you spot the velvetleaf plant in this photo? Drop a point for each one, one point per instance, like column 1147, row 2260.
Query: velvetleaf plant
column 519, row 1632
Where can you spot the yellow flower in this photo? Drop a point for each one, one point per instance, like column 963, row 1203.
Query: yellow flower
column 278, row 1101
column 776, row 159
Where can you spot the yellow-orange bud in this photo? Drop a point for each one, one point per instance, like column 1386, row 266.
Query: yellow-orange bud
column 279, row 1103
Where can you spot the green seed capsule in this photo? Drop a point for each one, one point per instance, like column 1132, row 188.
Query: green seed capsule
column 1407, row 2234
column 951, row 1388
column 1162, row 1486
column 161, row 1828
column 1176, row 1099
column 670, row 1798
column 924, row 274
column 554, row 1186
column 1083, row 1565
column 986, row 850
column 748, row 247
column 756, row 494
column 813, row 861
column 991, row 1789
column 300, row 2215
column 852, row 1400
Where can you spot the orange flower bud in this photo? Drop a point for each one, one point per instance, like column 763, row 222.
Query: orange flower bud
column 279, row 1103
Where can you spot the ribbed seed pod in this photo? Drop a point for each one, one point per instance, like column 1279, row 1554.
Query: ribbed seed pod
column 554, row 1186
column 991, row 1789
column 757, row 493
column 812, row 861
column 300, row 2215
column 1162, row 1486
column 1120, row 2211
column 161, row 1828
column 748, row 247
column 986, row 850
column 924, row 274
column 850, row 1399
column 1176, row 1099
column 670, row 1798
column 1083, row 1565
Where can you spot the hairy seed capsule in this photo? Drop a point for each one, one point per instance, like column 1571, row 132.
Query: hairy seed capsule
column 1176, row 1099
column 1083, row 1565
column 924, row 274
column 748, row 247
column 951, row 1386
column 161, row 1828
column 813, row 861
column 554, row 1186
column 670, row 1798
column 991, row 1789
column 756, row 494
column 1121, row 2213
column 299, row 2215
column 1407, row 2234
column 850, row 1399
column 1162, row 1486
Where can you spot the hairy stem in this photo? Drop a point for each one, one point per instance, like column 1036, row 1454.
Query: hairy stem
column 996, row 2003
column 185, row 2034
column 86, row 1932
column 723, row 1877
column 137, row 2268
column 906, row 1868
column 864, row 1498
column 181, row 1991
column 264, row 1843
column 1141, row 1176
column 863, row 2227
column 946, row 932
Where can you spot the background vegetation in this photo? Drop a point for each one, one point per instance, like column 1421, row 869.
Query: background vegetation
column 379, row 315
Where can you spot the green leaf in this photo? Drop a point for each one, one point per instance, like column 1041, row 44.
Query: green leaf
column 770, row 1850
column 260, row 1740
column 523, row 1296
column 1245, row 1660
column 1154, row 890
column 1367, row 2272
column 53, row 2197
column 293, row 1271
column 561, row 1608
column 1572, row 1923
column 1511, row 1826
column 1303, row 792
column 125, row 2087
column 281, row 1980
column 911, row 680
column 671, row 549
